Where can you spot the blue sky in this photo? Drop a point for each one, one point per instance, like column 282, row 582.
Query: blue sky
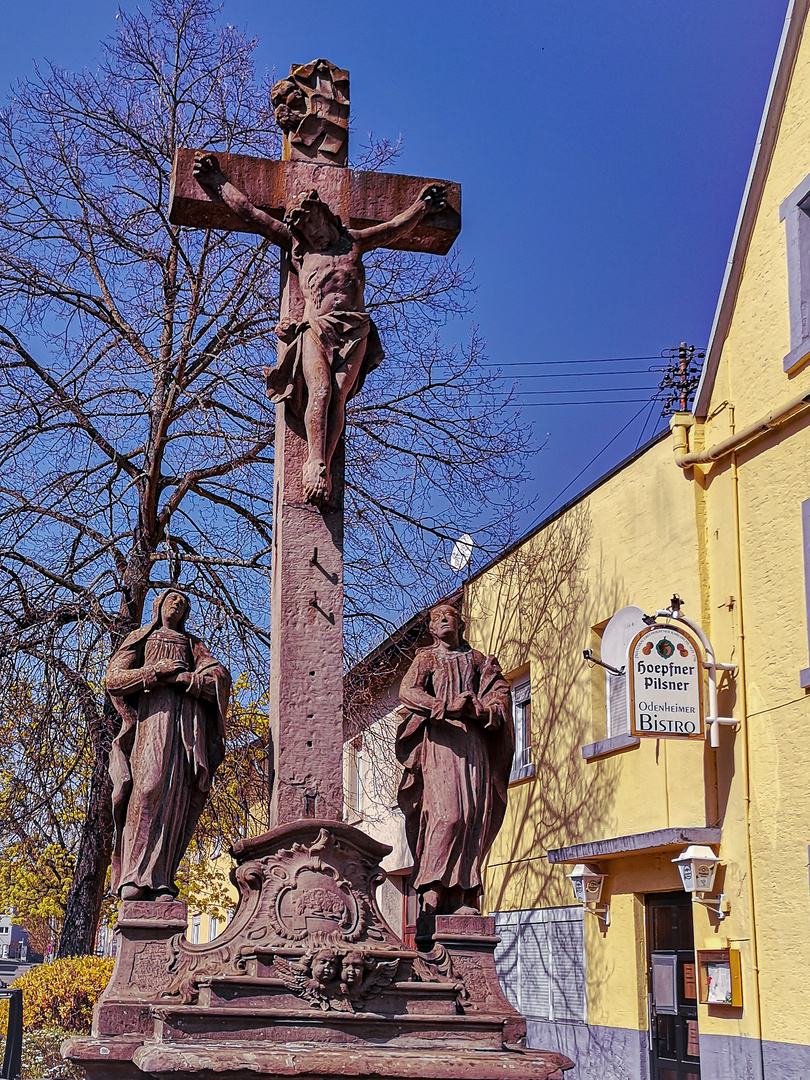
column 602, row 149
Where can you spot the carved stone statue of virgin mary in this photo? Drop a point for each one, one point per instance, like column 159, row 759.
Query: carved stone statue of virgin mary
column 172, row 696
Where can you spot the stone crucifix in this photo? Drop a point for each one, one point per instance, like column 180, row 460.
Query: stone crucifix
column 323, row 216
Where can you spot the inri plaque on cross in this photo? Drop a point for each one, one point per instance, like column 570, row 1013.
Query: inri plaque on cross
column 323, row 216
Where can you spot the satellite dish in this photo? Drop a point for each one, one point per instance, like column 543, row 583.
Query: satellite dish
column 462, row 552
column 618, row 634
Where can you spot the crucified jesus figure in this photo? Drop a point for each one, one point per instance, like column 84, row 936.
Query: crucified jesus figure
column 325, row 358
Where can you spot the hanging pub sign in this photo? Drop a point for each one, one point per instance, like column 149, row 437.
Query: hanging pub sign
column 665, row 671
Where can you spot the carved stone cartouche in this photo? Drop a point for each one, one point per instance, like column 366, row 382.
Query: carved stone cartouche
column 307, row 918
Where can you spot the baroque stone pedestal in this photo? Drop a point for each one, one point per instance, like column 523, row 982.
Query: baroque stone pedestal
column 307, row 980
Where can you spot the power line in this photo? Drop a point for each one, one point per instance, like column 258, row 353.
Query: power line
column 586, row 467
column 590, row 390
column 647, row 419
column 578, row 374
column 573, row 363
column 549, row 404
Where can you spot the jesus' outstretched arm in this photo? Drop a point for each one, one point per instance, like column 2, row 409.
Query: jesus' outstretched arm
column 209, row 176
column 432, row 197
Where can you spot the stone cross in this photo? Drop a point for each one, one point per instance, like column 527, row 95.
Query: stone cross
column 306, row 680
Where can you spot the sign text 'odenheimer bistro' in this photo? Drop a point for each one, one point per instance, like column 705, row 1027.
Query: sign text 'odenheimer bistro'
column 665, row 670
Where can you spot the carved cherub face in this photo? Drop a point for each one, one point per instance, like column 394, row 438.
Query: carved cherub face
column 445, row 625
column 325, row 967
column 351, row 972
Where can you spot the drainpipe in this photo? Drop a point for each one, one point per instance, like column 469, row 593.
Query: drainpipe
column 681, row 422
column 746, row 751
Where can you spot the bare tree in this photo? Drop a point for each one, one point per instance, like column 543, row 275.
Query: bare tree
column 137, row 448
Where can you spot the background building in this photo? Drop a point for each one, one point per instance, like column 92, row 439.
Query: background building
column 718, row 513
column 715, row 513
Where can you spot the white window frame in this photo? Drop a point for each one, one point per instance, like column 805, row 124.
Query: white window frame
column 621, row 628
column 353, row 797
column 531, row 986
column 195, row 930
column 522, row 764
column 795, row 212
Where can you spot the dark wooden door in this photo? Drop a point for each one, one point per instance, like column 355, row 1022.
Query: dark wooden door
column 675, row 1052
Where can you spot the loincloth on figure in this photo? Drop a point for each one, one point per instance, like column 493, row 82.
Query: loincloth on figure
column 340, row 334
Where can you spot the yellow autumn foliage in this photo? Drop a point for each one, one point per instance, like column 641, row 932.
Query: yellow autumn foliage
column 61, row 994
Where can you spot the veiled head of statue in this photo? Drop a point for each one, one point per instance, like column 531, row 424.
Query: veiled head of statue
column 172, row 606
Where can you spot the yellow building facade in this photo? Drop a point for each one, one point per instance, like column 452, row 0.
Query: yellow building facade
column 717, row 513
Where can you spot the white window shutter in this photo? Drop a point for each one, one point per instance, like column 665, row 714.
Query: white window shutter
column 568, row 971
column 619, row 632
column 618, row 719
column 540, row 962
column 506, row 956
column 535, row 981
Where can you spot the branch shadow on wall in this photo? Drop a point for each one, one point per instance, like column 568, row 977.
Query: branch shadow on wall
column 540, row 614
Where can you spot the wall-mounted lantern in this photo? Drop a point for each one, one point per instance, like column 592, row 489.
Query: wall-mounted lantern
column 697, row 866
column 587, row 884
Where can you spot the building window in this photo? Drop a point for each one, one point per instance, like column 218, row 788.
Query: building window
column 795, row 212
column 213, row 927
column 522, row 765
column 540, row 962
column 616, row 639
column 354, row 779
column 195, row 930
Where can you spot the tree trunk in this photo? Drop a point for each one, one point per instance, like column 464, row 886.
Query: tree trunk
column 83, row 906
column 86, row 894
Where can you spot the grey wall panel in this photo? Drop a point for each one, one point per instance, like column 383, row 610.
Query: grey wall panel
column 599, row 1053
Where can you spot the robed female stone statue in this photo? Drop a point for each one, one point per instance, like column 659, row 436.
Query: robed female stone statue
column 172, row 696
column 455, row 742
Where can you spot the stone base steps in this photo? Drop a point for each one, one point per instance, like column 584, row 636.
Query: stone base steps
column 192, row 1024
column 239, row 1060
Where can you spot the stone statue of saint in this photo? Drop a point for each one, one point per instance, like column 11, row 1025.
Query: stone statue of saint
column 324, row 359
column 455, row 742
column 172, row 696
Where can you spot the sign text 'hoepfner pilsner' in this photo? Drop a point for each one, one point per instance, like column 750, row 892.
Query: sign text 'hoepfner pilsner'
column 665, row 670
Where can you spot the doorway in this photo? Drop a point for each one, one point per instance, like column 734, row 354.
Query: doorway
column 674, row 1046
